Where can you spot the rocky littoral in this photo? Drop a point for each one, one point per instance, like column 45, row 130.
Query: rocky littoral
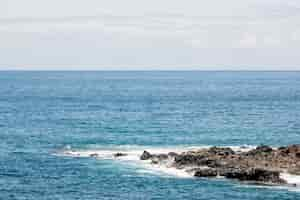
column 263, row 164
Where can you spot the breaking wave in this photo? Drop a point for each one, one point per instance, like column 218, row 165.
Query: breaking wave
column 132, row 157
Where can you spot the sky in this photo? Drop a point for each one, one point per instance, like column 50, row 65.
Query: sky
column 149, row 35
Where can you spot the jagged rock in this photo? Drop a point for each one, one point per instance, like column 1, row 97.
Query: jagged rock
column 119, row 154
column 255, row 174
column 145, row 156
column 206, row 172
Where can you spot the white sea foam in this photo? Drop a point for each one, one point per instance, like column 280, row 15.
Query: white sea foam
column 133, row 154
column 162, row 170
column 132, row 157
column 291, row 179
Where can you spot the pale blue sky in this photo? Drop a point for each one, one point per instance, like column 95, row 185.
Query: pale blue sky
column 156, row 34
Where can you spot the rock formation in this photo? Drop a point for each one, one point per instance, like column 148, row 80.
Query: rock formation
column 262, row 164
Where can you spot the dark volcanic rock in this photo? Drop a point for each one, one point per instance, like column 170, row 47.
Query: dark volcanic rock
column 207, row 172
column 145, row 156
column 262, row 164
column 94, row 155
column 119, row 154
column 255, row 174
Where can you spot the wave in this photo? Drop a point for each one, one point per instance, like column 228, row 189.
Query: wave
column 134, row 152
column 291, row 179
column 132, row 157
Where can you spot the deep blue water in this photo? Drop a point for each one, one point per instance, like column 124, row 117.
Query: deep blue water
column 42, row 112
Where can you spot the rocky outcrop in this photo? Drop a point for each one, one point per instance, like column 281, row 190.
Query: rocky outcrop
column 262, row 164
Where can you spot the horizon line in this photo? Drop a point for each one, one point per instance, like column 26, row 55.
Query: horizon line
column 148, row 70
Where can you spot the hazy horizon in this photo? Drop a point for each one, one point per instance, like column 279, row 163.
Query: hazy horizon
column 149, row 69
column 142, row 35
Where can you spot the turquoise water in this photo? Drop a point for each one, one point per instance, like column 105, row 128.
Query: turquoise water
column 44, row 112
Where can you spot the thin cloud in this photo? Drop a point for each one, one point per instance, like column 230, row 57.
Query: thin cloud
column 133, row 32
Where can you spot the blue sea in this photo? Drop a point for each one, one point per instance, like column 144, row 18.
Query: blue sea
column 43, row 113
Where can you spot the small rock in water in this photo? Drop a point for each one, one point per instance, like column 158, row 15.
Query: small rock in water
column 145, row 156
column 119, row 154
column 94, row 155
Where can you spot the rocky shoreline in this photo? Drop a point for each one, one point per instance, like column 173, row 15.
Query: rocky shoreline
column 262, row 165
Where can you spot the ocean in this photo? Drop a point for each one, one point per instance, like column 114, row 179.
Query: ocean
column 43, row 113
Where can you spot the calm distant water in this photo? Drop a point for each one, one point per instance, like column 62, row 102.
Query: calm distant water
column 42, row 112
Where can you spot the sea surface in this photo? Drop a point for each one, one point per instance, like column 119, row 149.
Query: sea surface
column 43, row 113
